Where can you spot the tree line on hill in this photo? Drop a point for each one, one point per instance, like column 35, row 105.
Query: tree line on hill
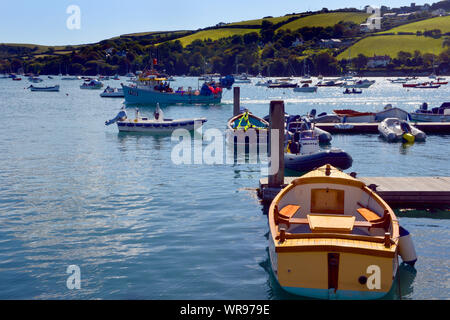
column 267, row 51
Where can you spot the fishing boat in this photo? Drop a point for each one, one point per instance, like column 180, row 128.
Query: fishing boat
column 352, row 116
column 112, row 93
column 393, row 129
column 305, row 88
column 151, row 90
column 44, row 89
column 303, row 153
column 438, row 114
column 158, row 125
column 390, row 112
column 92, row 84
column 360, row 84
column 332, row 237
column 353, row 91
column 246, row 128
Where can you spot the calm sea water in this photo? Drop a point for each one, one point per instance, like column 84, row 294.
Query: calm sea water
column 75, row 192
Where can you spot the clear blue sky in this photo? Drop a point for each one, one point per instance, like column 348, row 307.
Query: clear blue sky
column 44, row 21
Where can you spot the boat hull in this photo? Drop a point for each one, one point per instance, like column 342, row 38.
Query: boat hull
column 429, row 117
column 305, row 89
column 154, row 127
column 135, row 95
column 306, row 273
column 302, row 163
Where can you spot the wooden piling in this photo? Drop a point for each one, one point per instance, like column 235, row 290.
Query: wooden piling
column 276, row 154
column 236, row 101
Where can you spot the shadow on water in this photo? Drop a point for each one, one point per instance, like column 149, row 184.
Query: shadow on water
column 432, row 213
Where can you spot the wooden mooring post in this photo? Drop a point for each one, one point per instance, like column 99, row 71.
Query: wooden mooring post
column 276, row 144
column 236, row 101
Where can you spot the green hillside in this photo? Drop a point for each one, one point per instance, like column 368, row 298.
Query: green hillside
column 326, row 20
column 441, row 23
column 214, row 34
column 391, row 45
column 258, row 22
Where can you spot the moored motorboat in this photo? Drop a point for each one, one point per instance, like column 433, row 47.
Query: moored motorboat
column 360, row 84
column 353, row 91
column 303, row 153
column 44, row 89
column 352, row 116
column 332, row 237
column 151, row 89
column 92, row 84
column 438, row 114
column 35, row 79
column 305, row 88
column 330, row 83
column 393, row 129
column 112, row 93
column 282, row 84
column 247, row 128
column 298, row 123
column 158, row 125
column 427, row 86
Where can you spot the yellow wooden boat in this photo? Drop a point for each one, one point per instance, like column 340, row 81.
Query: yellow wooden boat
column 333, row 238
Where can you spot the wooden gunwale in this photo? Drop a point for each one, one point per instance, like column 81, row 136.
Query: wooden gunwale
column 333, row 180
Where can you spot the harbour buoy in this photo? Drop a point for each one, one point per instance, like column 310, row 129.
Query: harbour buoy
column 406, row 247
column 408, row 137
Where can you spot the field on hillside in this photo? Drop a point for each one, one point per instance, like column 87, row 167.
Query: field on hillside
column 214, row 34
column 326, row 20
column 441, row 23
column 391, row 45
column 258, row 22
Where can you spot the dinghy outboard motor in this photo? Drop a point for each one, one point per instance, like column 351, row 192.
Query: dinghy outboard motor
column 406, row 247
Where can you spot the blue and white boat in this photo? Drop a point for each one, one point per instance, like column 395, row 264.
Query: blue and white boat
column 438, row 114
column 152, row 90
column 93, row 84
column 112, row 93
column 157, row 125
column 45, row 89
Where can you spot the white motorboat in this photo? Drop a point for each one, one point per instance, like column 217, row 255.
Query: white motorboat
column 112, row 93
column 45, row 89
column 305, row 88
column 158, row 125
column 360, row 84
column 440, row 114
column 393, row 129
